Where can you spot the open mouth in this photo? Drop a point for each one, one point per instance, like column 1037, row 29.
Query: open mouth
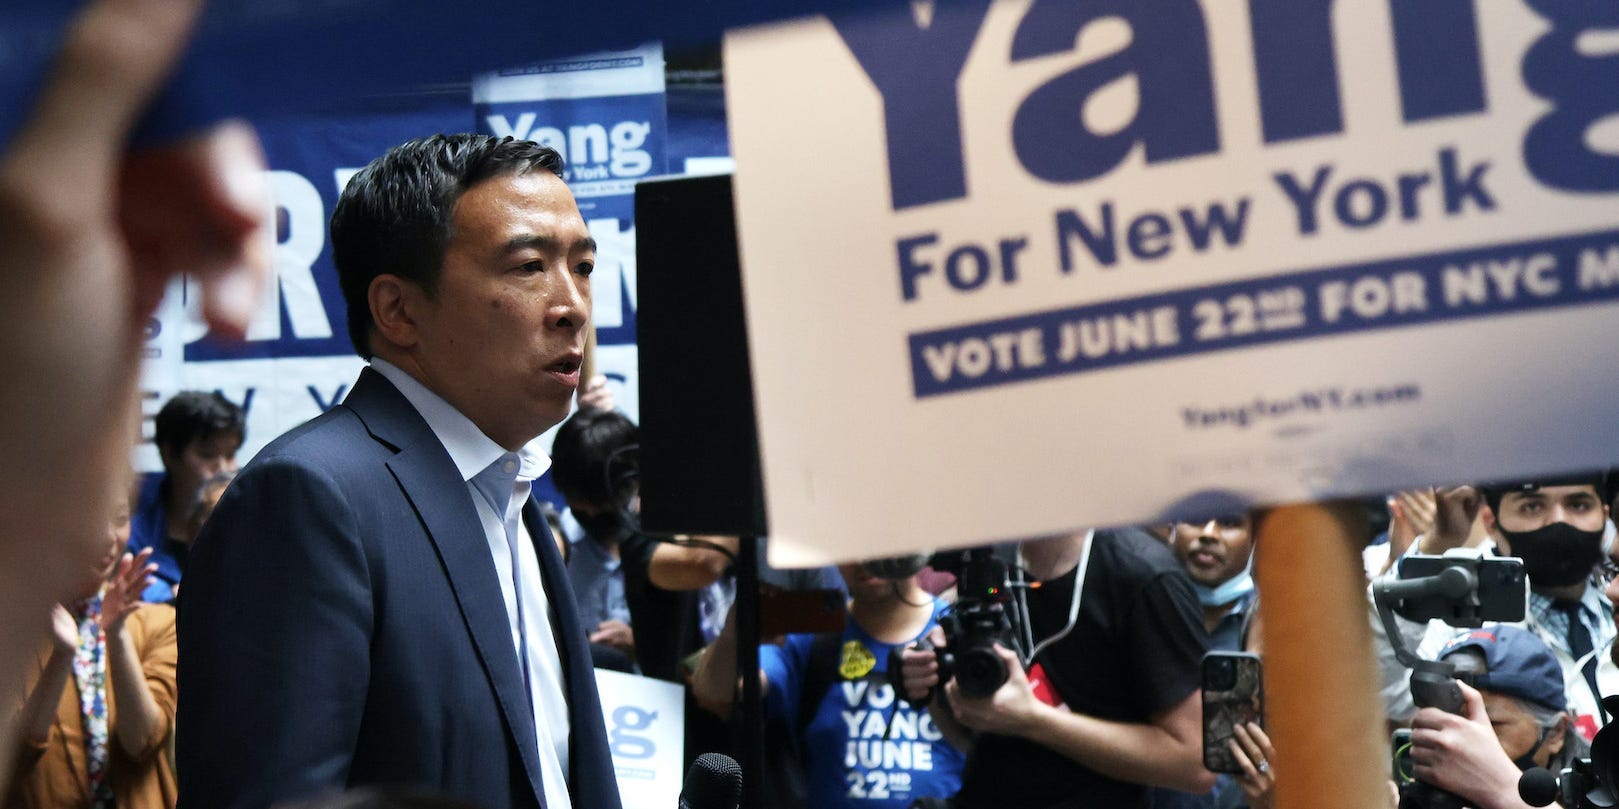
column 564, row 366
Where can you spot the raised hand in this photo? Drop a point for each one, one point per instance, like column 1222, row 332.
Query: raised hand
column 1455, row 508
column 92, row 236
column 123, row 594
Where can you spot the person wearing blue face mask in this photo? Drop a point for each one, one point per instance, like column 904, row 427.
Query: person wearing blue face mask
column 1218, row 555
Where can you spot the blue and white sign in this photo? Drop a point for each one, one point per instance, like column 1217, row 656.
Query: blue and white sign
column 646, row 726
column 1022, row 266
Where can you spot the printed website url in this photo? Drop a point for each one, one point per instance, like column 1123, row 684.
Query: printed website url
column 1305, row 402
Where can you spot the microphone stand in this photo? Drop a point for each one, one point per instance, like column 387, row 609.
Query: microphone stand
column 750, row 728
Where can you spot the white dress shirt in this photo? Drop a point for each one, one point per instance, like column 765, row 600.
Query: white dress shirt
column 472, row 452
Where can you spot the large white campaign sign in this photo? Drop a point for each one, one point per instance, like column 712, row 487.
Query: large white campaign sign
column 1018, row 267
column 646, row 725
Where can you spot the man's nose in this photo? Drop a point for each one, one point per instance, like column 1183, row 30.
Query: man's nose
column 569, row 306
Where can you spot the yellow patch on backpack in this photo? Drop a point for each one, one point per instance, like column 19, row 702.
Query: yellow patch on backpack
column 856, row 661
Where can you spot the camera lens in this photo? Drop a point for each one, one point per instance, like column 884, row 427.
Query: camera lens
column 1222, row 674
column 980, row 671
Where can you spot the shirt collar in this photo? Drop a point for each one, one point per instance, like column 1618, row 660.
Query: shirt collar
column 470, row 450
column 1592, row 600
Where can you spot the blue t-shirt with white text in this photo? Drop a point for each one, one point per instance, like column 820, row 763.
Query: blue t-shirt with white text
column 863, row 748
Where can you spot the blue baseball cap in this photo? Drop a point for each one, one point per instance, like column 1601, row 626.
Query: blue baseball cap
column 1518, row 664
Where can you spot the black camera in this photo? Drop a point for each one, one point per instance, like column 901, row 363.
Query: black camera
column 985, row 613
column 1463, row 590
column 1590, row 783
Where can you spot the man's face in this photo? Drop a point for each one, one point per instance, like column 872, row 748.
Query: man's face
column 199, row 461
column 1215, row 551
column 1578, row 506
column 503, row 337
column 1517, row 729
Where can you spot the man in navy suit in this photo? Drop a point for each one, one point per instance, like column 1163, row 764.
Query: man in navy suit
column 376, row 600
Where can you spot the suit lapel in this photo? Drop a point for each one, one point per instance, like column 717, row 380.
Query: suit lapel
column 440, row 497
column 590, row 768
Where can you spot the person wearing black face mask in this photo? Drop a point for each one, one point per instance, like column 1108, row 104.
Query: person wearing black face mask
column 590, row 465
column 1517, row 698
column 1556, row 526
column 671, row 595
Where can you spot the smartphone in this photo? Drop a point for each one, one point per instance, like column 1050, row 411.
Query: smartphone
column 1233, row 694
column 1503, row 591
column 1400, row 757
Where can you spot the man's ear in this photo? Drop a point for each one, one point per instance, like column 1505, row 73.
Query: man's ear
column 1486, row 517
column 393, row 302
column 1558, row 737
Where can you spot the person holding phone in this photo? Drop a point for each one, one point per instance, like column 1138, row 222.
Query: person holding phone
column 1556, row 525
column 1217, row 555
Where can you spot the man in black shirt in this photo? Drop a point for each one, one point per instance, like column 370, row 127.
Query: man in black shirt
column 1111, row 706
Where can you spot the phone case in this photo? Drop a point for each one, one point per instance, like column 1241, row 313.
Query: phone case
column 1233, row 694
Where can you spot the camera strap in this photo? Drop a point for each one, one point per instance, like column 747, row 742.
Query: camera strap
column 1073, row 605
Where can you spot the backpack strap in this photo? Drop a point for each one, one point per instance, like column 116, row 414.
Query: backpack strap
column 820, row 671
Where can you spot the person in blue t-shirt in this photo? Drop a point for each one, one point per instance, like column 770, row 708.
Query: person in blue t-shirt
column 861, row 747
column 197, row 437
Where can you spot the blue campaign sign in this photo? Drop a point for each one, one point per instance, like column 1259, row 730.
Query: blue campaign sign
column 1098, row 259
column 608, row 143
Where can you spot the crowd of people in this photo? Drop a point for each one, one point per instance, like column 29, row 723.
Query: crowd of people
column 375, row 603
column 1106, row 712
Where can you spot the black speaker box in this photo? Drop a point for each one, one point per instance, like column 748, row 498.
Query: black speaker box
column 699, row 441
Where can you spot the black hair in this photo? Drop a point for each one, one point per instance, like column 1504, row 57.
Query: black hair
column 195, row 415
column 594, row 458
column 394, row 215
column 1598, row 480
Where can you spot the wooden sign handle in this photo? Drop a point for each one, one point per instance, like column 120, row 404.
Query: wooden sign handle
column 1322, row 708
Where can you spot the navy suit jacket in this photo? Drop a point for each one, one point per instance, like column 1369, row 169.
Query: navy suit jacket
column 341, row 624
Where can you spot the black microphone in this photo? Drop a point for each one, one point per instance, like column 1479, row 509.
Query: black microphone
column 1538, row 786
column 713, row 782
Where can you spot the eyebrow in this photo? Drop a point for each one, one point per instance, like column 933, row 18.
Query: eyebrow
column 542, row 243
